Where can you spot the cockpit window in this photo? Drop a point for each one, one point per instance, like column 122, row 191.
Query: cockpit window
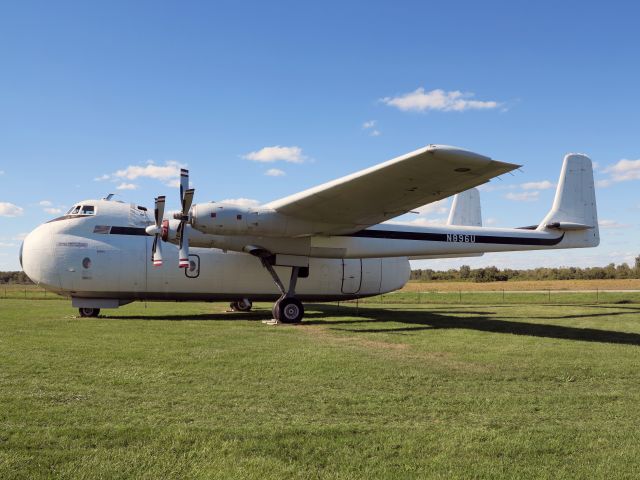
column 75, row 210
column 88, row 210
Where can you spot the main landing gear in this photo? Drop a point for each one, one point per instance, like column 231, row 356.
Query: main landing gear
column 89, row 312
column 287, row 309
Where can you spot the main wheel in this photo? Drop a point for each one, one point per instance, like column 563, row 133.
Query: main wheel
column 275, row 310
column 290, row 310
column 89, row 312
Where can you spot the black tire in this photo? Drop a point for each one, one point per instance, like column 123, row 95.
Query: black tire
column 244, row 305
column 234, row 306
column 275, row 310
column 89, row 312
column 290, row 310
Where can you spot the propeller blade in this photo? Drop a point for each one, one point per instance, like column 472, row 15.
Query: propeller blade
column 156, row 249
column 183, row 261
column 157, row 252
column 187, row 200
column 184, row 182
column 159, row 210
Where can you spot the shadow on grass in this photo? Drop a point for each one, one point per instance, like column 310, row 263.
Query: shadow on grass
column 381, row 321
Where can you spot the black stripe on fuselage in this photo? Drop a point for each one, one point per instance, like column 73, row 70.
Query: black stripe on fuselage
column 127, row 231
column 459, row 237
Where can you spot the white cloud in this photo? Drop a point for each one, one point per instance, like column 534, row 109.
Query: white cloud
column 439, row 207
column 611, row 224
column 52, row 211
column 274, row 172
column 45, row 203
column 1, row 172
column 4, row 244
column 491, row 222
column 529, row 196
column 10, row 210
column 169, row 173
column 370, row 126
column 438, row 99
column 242, row 202
column 543, row 185
column 624, row 170
column 273, row 154
column 127, row 186
column 21, row 236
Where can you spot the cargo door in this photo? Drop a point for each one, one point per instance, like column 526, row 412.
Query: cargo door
column 351, row 275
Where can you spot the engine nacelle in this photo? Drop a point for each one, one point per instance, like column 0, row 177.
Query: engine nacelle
column 228, row 219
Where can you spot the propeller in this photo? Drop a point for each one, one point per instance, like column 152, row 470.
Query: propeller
column 186, row 197
column 157, row 231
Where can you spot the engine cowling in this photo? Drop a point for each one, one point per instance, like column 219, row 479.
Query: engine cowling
column 217, row 218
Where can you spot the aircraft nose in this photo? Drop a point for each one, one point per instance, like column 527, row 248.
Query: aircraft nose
column 37, row 258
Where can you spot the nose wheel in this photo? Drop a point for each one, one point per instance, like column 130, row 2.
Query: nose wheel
column 243, row 305
column 89, row 312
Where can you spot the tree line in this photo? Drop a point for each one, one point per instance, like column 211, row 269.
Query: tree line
column 14, row 277
column 494, row 274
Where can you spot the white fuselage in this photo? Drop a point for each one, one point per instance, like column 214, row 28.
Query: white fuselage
column 69, row 257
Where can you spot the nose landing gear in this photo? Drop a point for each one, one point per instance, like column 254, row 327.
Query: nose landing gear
column 243, row 305
column 89, row 312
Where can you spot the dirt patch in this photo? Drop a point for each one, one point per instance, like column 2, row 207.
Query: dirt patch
column 389, row 349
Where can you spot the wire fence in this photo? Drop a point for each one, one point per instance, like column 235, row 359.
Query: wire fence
column 548, row 296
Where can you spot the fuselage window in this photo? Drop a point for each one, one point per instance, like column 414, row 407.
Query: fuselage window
column 88, row 210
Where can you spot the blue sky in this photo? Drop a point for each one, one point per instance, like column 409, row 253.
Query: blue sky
column 91, row 91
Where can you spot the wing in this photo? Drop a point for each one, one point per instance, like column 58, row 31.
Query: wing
column 392, row 188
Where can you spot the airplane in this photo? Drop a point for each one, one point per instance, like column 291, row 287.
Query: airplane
column 334, row 240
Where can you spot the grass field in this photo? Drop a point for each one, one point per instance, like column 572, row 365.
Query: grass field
column 424, row 391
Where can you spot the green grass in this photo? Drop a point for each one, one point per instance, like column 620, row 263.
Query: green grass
column 182, row 390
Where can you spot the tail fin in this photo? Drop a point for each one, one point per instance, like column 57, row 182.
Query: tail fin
column 465, row 209
column 574, row 207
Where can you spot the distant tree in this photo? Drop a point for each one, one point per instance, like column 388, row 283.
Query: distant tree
column 465, row 272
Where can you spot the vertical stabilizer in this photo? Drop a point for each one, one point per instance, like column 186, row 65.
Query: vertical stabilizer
column 574, row 207
column 465, row 209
